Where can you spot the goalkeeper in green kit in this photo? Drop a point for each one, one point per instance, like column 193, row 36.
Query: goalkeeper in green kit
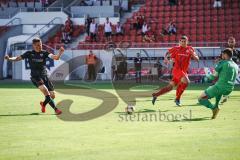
column 226, row 71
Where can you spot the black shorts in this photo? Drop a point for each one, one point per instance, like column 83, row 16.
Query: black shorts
column 108, row 34
column 38, row 81
column 92, row 35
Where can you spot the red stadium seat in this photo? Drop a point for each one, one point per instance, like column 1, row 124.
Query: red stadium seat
column 198, row 19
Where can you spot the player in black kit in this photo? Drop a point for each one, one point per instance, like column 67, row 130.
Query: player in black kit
column 37, row 61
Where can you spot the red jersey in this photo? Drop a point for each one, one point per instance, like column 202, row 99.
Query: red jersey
column 182, row 57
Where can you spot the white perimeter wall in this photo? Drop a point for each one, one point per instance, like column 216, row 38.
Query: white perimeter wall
column 37, row 18
column 31, row 29
column 20, row 73
column 42, row 18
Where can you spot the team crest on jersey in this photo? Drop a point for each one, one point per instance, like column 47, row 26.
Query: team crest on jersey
column 41, row 55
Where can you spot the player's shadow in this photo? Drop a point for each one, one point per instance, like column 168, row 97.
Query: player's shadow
column 31, row 114
column 150, row 100
column 144, row 111
column 193, row 119
column 191, row 105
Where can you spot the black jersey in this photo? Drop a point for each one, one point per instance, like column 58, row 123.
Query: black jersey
column 236, row 56
column 138, row 63
column 37, row 62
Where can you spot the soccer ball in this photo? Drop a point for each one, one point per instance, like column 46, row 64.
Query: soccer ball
column 129, row 109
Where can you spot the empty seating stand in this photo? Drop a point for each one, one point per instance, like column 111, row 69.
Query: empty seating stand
column 55, row 41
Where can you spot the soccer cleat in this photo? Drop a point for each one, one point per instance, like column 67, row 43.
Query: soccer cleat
column 58, row 111
column 178, row 103
column 224, row 100
column 215, row 112
column 43, row 108
column 154, row 98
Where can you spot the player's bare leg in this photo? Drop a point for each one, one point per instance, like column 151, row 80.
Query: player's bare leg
column 204, row 100
column 46, row 93
column 181, row 88
column 162, row 91
column 48, row 99
column 52, row 94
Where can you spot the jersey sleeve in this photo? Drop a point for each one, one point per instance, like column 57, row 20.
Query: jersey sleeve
column 25, row 55
column 135, row 60
column 238, row 55
column 46, row 54
column 191, row 48
column 172, row 52
column 218, row 66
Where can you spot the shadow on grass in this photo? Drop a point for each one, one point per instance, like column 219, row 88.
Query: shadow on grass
column 193, row 119
column 31, row 114
column 190, row 105
column 144, row 111
column 150, row 100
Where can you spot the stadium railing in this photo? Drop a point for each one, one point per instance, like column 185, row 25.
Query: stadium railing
column 128, row 44
column 15, row 11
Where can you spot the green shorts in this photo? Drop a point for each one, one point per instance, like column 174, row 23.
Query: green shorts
column 214, row 91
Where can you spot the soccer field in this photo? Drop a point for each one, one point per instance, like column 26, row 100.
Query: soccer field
column 27, row 134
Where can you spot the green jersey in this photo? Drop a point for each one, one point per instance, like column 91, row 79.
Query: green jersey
column 227, row 73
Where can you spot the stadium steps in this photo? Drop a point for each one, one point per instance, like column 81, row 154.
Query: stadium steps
column 10, row 32
column 127, row 15
column 61, row 3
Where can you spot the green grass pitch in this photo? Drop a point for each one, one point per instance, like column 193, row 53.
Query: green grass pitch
column 27, row 134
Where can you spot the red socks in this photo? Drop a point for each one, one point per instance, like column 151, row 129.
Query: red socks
column 180, row 89
column 163, row 91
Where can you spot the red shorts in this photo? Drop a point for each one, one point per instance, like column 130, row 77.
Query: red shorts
column 177, row 75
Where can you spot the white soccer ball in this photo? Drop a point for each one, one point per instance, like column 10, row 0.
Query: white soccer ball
column 130, row 109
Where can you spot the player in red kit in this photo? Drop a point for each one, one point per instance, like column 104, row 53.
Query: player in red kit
column 181, row 56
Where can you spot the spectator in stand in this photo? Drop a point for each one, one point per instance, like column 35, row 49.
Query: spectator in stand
column 141, row 22
column 136, row 22
column 44, row 3
column 119, row 29
column 83, row 3
column 173, row 2
column 87, row 23
column 164, row 31
column 93, row 31
column 172, row 28
column 149, row 36
column 68, row 29
column 69, row 23
column 1, row 7
column 217, row 4
column 144, row 28
column 66, row 38
column 108, row 30
column 180, row 2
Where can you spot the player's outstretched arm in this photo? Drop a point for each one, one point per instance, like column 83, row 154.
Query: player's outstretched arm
column 195, row 56
column 213, row 76
column 57, row 56
column 13, row 59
